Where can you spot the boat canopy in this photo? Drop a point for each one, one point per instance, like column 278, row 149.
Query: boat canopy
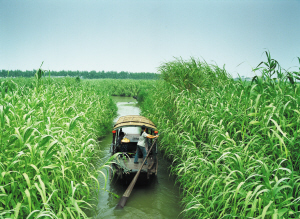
column 134, row 121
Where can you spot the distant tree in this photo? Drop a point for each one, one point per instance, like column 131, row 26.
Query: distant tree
column 84, row 74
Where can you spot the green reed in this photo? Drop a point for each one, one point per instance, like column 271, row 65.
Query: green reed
column 234, row 144
column 121, row 87
column 49, row 135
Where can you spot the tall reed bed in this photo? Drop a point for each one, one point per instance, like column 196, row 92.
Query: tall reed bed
column 121, row 87
column 48, row 137
column 234, row 145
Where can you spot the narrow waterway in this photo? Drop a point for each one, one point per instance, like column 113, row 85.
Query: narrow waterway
column 156, row 198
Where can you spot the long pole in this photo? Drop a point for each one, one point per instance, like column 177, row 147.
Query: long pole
column 126, row 194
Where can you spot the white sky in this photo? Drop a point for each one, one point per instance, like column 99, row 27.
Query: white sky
column 138, row 36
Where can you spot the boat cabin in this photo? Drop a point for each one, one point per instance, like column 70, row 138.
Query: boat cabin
column 126, row 133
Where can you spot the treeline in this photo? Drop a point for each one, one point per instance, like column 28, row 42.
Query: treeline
column 83, row 74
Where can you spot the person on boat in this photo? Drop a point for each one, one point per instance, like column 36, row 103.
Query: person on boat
column 123, row 147
column 141, row 144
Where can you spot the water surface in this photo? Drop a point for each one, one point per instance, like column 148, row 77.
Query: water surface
column 156, row 198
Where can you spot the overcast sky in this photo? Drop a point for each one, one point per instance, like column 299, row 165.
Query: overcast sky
column 138, row 36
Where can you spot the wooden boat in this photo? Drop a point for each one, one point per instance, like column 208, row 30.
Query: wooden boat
column 127, row 146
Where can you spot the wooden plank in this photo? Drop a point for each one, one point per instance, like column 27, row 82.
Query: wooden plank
column 129, row 163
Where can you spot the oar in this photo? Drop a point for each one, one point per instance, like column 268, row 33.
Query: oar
column 126, row 194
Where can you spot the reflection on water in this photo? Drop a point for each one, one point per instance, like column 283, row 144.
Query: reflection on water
column 156, row 198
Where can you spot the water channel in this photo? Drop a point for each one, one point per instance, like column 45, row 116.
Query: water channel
column 157, row 198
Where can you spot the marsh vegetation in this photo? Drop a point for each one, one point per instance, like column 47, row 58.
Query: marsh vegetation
column 234, row 144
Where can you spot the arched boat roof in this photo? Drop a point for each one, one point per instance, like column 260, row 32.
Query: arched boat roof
column 134, row 121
